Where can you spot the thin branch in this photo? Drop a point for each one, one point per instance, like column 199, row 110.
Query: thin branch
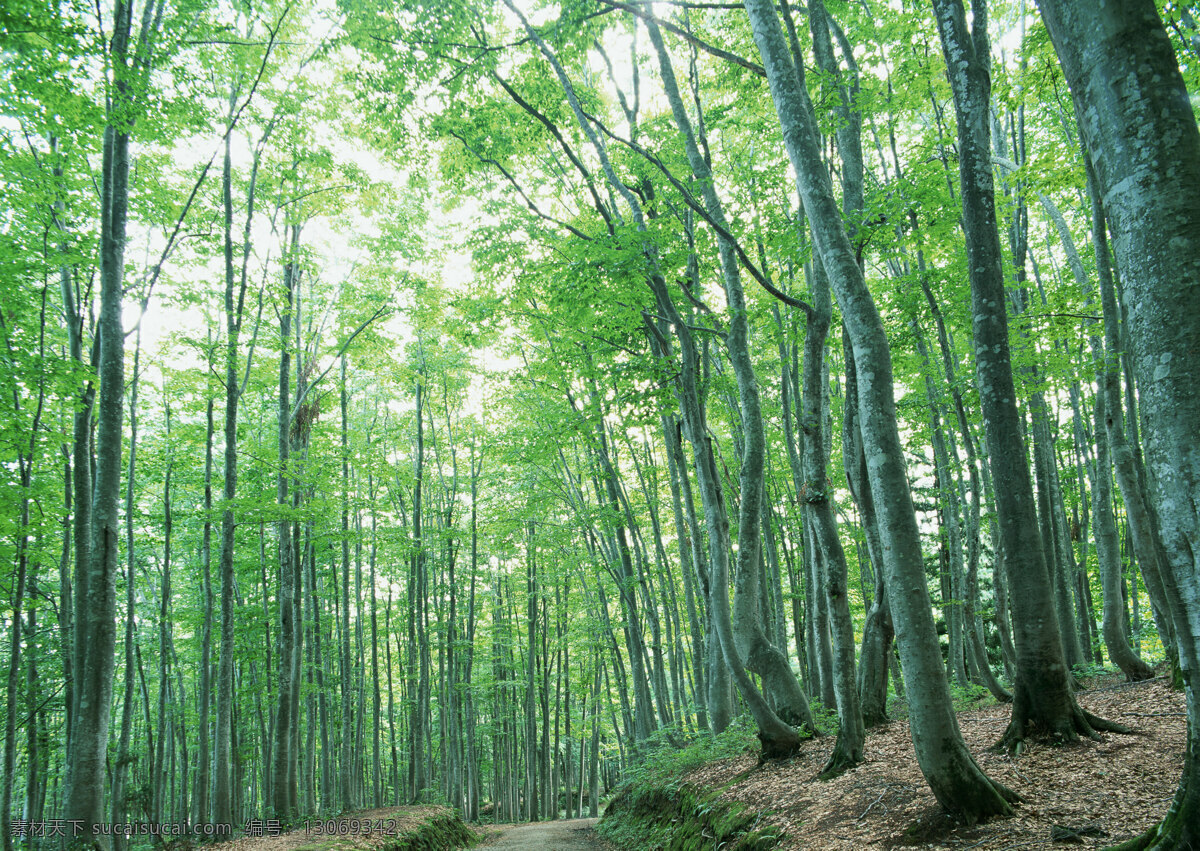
column 254, row 335
column 704, row 329
column 336, row 358
column 689, row 38
column 597, row 202
column 237, row 43
column 699, row 208
column 513, row 182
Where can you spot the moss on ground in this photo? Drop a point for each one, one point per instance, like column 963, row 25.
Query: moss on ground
column 686, row 818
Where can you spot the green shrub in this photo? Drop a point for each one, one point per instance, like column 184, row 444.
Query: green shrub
column 670, row 754
column 656, row 808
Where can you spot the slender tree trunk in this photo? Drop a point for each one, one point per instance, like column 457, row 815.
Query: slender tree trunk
column 203, row 782
column 418, row 729
column 688, row 568
column 161, row 776
column 281, row 749
column 878, row 630
column 1042, row 695
column 224, row 779
column 95, row 587
column 12, row 706
column 1147, row 543
column 348, row 755
column 751, row 641
column 957, row 782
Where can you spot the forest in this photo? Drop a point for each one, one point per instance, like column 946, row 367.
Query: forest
column 458, row 401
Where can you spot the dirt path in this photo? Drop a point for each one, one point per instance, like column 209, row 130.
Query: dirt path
column 573, row 835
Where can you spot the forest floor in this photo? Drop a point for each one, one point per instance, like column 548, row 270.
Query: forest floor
column 572, row 835
column 1109, row 790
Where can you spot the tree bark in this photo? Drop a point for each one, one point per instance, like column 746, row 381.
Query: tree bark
column 1042, row 698
column 281, row 749
column 817, row 498
column 956, row 780
column 95, row 593
column 1147, row 543
column 1141, row 138
column 752, row 642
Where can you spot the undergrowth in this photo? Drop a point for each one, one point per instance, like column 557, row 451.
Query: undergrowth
column 657, row 808
column 670, row 754
column 686, row 819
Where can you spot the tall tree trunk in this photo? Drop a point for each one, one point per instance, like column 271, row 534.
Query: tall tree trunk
column 282, row 756
column 752, row 644
column 1147, row 543
column 688, row 566
column 418, row 726
column 1114, row 623
column 23, row 576
column 957, row 782
column 95, row 591
column 224, row 779
column 160, row 775
column 12, row 706
column 1042, row 699
column 951, row 535
column 1141, row 137
column 203, row 782
column 348, row 753
column 878, row 630
column 818, row 502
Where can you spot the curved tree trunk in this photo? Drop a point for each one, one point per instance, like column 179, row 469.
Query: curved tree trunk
column 1114, row 624
column 1147, row 543
column 779, row 739
column 753, row 642
column 878, row 630
column 818, row 503
column 956, row 780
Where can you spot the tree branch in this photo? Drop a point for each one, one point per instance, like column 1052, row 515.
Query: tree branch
column 513, row 181
column 689, row 38
column 341, row 351
column 699, row 208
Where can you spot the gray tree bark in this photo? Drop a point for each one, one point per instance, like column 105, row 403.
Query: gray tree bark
column 1141, row 138
column 956, row 780
column 95, row 592
column 818, row 501
column 1042, row 698
column 752, row 640
column 1147, row 543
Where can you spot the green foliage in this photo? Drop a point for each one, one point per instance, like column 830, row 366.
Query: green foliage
column 685, row 818
column 666, row 760
column 970, row 695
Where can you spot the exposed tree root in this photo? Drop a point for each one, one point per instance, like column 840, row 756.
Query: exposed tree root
column 992, row 800
column 840, row 761
column 1078, row 724
column 1177, row 831
column 779, row 747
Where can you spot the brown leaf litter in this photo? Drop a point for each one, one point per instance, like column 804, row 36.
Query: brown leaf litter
column 1096, row 793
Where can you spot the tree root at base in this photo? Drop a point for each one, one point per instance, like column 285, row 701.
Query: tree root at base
column 841, row 760
column 1079, row 724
